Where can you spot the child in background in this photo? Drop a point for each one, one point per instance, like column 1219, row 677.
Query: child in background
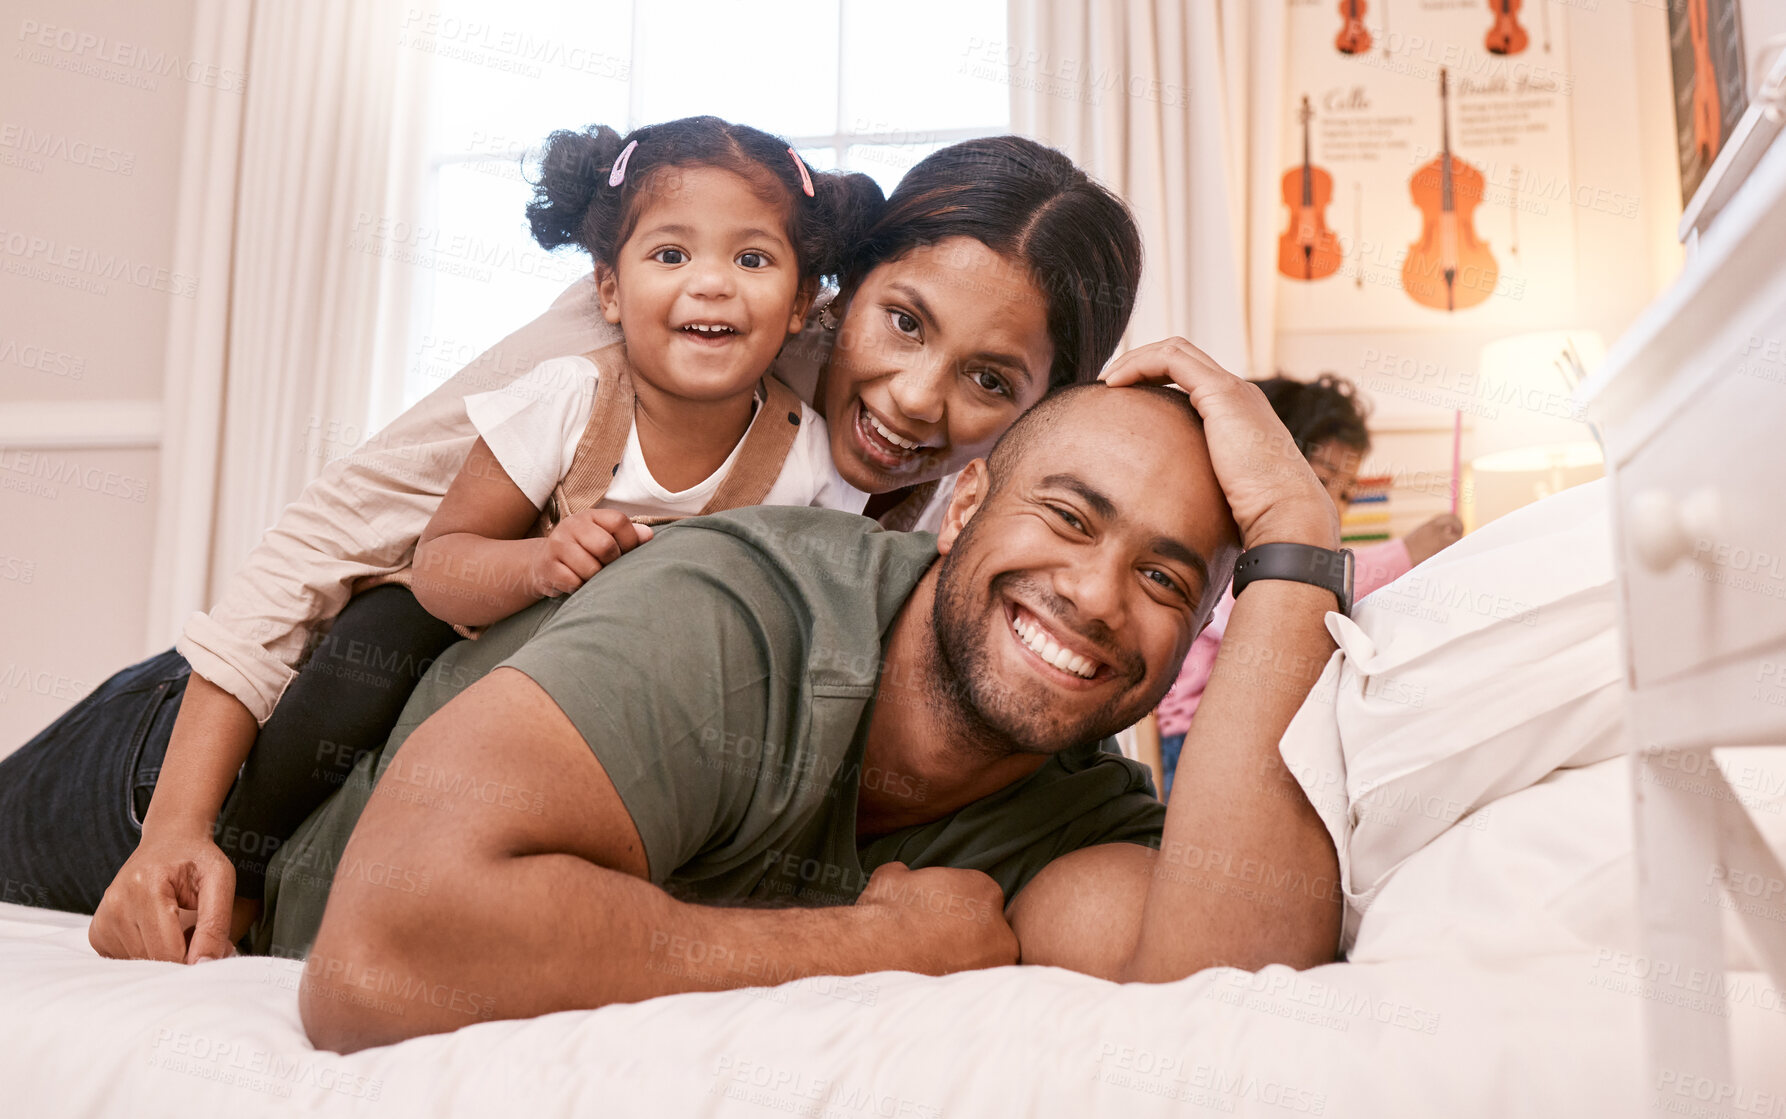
column 1326, row 418
column 710, row 241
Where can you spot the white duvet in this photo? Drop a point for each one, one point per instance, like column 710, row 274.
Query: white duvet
column 1489, row 999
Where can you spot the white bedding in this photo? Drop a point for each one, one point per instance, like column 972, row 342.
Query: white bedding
column 90, row 1037
column 1493, row 970
column 1549, row 1028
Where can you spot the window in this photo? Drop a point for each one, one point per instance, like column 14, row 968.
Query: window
column 853, row 84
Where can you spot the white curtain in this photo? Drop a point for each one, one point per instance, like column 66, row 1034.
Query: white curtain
column 273, row 366
column 1174, row 105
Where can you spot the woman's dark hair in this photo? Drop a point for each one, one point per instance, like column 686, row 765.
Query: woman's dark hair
column 574, row 205
column 1029, row 202
column 1326, row 408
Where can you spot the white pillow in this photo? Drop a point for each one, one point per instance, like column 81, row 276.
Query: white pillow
column 1546, row 870
column 1473, row 676
column 1552, row 869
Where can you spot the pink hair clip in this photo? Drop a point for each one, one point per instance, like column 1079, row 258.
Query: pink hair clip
column 805, row 179
column 618, row 174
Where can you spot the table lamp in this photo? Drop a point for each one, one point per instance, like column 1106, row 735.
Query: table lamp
column 1528, row 437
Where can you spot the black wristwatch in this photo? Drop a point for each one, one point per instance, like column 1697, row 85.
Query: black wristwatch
column 1300, row 563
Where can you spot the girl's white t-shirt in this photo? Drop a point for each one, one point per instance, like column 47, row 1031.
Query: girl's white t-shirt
column 533, row 426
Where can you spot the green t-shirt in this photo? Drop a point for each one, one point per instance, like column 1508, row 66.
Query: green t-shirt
column 724, row 675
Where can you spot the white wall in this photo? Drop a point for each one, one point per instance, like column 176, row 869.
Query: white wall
column 1622, row 119
column 92, row 99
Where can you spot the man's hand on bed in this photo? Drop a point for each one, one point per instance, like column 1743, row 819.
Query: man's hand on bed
column 139, row 918
column 952, row 919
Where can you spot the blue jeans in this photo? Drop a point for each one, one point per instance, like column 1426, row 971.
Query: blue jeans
column 72, row 799
column 1170, row 745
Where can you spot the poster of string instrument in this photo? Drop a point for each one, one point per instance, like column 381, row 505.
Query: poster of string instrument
column 1425, row 173
column 1706, row 44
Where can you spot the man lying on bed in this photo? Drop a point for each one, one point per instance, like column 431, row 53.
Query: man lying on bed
column 713, row 766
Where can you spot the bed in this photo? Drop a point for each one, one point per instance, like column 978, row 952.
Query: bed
column 1488, row 999
column 1494, row 956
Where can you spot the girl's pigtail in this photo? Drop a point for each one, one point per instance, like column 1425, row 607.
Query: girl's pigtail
column 844, row 207
column 572, row 169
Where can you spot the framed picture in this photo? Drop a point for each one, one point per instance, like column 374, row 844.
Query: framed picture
column 1710, row 89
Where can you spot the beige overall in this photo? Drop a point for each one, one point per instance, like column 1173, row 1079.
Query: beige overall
column 597, row 459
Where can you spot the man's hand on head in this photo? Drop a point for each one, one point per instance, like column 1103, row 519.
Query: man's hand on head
column 1271, row 489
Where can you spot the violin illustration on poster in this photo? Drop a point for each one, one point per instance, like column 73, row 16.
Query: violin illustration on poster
column 1507, row 36
column 1308, row 250
column 1706, row 44
column 1353, row 37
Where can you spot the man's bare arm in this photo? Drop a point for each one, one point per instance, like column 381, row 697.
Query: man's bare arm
column 527, row 914
column 1246, row 874
column 1083, row 910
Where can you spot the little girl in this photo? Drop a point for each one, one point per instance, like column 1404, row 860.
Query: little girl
column 709, row 241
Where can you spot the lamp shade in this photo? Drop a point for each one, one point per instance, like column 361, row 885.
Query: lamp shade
column 1524, row 404
column 1530, row 439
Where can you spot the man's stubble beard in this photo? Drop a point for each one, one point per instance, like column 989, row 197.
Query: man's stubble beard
column 981, row 711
